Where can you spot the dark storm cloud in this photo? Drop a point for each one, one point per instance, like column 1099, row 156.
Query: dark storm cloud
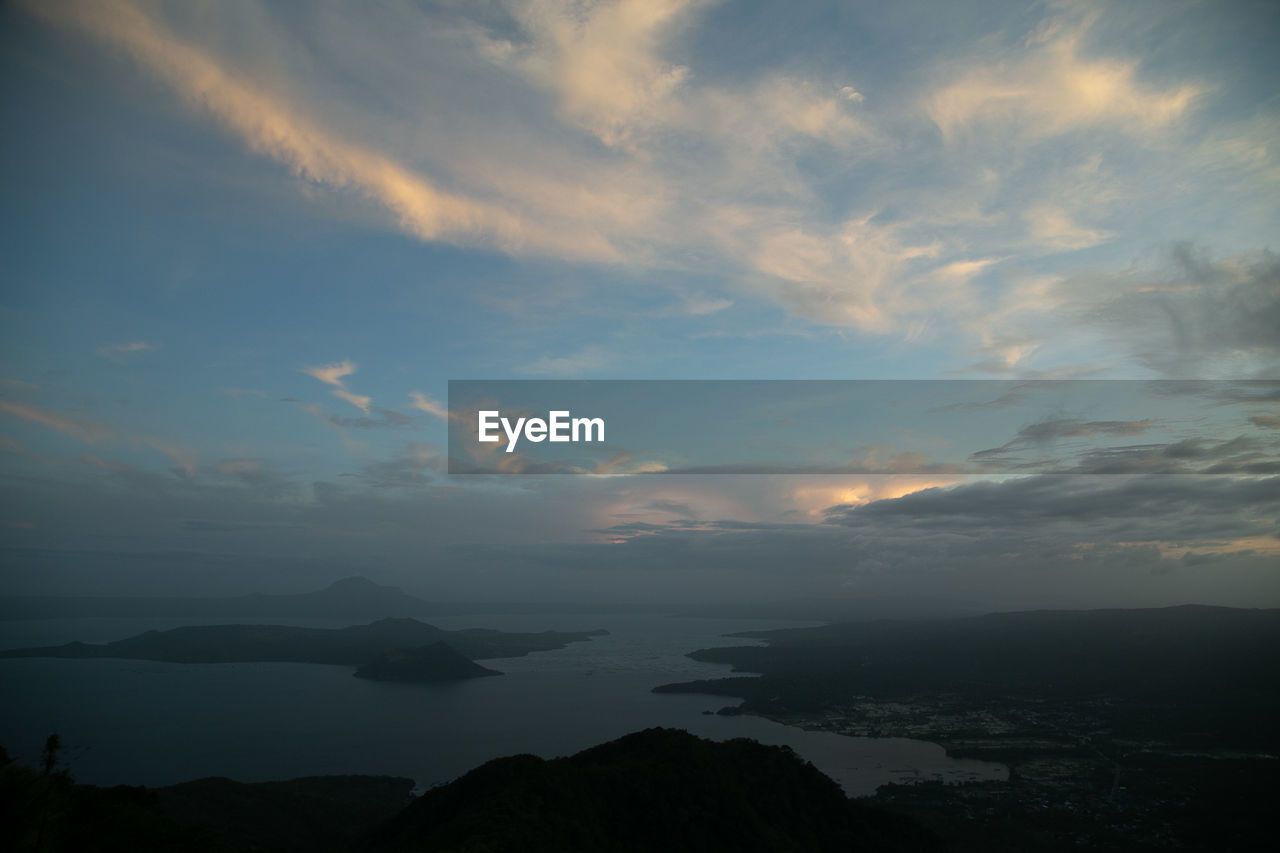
column 992, row 521
column 1043, row 541
column 1050, row 540
column 1054, row 445
column 1200, row 448
column 1239, row 455
column 1068, row 428
column 1221, row 392
column 1051, row 508
column 1203, row 318
column 1048, row 431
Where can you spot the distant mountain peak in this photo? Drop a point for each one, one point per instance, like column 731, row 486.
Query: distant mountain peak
column 357, row 583
column 392, row 621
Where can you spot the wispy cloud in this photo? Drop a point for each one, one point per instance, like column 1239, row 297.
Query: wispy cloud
column 918, row 202
column 606, row 66
column 333, row 374
column 586, row 360
column 101, row 464
column 360, row 401
column 87, row 431
column 185, row 461
column 116, row 350
column 424, row 403
column 1049, row 86
column 695, row 305
column 283, row 132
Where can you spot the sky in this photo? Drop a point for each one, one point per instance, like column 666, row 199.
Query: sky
column 247, row 245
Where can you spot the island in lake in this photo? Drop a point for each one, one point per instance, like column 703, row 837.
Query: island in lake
column 385, row 650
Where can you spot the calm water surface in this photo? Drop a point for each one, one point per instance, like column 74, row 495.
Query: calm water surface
column 145, row 723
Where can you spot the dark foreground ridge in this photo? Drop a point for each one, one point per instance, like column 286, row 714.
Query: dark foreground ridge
column 659, row 789
column 47, row 812
column 391, row 649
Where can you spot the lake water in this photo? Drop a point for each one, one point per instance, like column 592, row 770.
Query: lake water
column 146, row 723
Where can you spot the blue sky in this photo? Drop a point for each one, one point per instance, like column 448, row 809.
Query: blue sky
column 246, row 245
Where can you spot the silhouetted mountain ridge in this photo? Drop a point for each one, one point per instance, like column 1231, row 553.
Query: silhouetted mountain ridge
column 1181, row 673
column 353, row 646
